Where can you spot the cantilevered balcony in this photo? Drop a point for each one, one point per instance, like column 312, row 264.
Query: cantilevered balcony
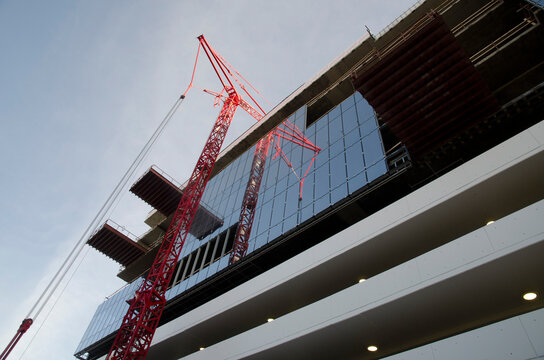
column 163, row 193
column 117, row 243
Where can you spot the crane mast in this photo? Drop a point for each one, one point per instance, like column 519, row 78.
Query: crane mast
column 251, row 195
column 142, row 318
column 249, row 203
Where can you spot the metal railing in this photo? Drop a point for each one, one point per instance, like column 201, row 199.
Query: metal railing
column 502, row 41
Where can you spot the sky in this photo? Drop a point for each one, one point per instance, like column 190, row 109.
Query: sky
column 83, row 84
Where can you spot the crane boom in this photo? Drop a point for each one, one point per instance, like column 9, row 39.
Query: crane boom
column 136, row 332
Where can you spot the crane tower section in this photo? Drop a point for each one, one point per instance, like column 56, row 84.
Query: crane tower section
column 141, row 320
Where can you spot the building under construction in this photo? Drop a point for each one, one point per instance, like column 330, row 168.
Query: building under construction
column 403, row 220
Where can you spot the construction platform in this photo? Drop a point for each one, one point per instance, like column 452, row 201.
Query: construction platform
column 117, row 243
column 163, row 193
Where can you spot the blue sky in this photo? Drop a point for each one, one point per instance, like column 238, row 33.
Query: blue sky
column 85, row 83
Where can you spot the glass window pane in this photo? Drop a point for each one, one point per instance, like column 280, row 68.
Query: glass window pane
column 373, row 148
column 364, row 111
column 278, row 208
column 321, row 203
column 354, row 159
column 322, row 158
column 349, row 119
column 335, row 130
column 357, row 182
column 272, row 173
column 268, row 195
column 266, row 213
column 352, row 137
column 281, row 185
column 338, row 171
column 322, row 121
column 358, row 97
column 275, row 231
column 261, row 239
column 322, row 137
column 307, row 212
column 376, row 170
column 307, row 155
column 368, row 127
column 336, row 148
column 349, row 102
column 296, row 156
column 308, row 190
column 290, row 222
column 339, row 193
column 321, row 181
column 291, row 200
column 334, row 112
column 283, row 168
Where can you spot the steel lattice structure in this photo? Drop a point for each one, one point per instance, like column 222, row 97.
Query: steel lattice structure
column 141, row 320
column 249, row 203
column 139, row 324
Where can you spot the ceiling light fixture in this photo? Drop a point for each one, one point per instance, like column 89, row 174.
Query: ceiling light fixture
column 490, row 222
column 269, row 320
column 372, row 348
column 201, row 348
column 529, row 296
column 361, row 280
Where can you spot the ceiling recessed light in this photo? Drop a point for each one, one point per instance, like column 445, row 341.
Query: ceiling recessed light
column 361, row 280
column 269, row 320
column 490, row 222
column 529, row 296
column 372, row 348
column 201, row 348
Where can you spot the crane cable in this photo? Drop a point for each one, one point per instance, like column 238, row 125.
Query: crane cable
column 103, row 210
column 99, row 217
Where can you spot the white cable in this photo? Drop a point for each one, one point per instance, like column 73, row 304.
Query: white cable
column 74, row 253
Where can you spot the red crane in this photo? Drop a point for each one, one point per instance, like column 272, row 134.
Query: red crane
column 251, row 196
column 139, row 324
column 142, row 318
column 287, row 131
column 249, row 203
column 25, row 325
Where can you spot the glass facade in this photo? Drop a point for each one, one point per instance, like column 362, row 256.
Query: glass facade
column 106, row 319
column 352, row 156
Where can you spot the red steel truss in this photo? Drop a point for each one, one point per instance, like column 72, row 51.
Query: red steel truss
column 251, row 195
column 249, row 202
column 139, row 324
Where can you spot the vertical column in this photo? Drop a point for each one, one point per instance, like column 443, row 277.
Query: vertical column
column 225, row 242
column 176, row 277
column 215, row 247
column 194, row 264
column 187, row 266
column 202, row 263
